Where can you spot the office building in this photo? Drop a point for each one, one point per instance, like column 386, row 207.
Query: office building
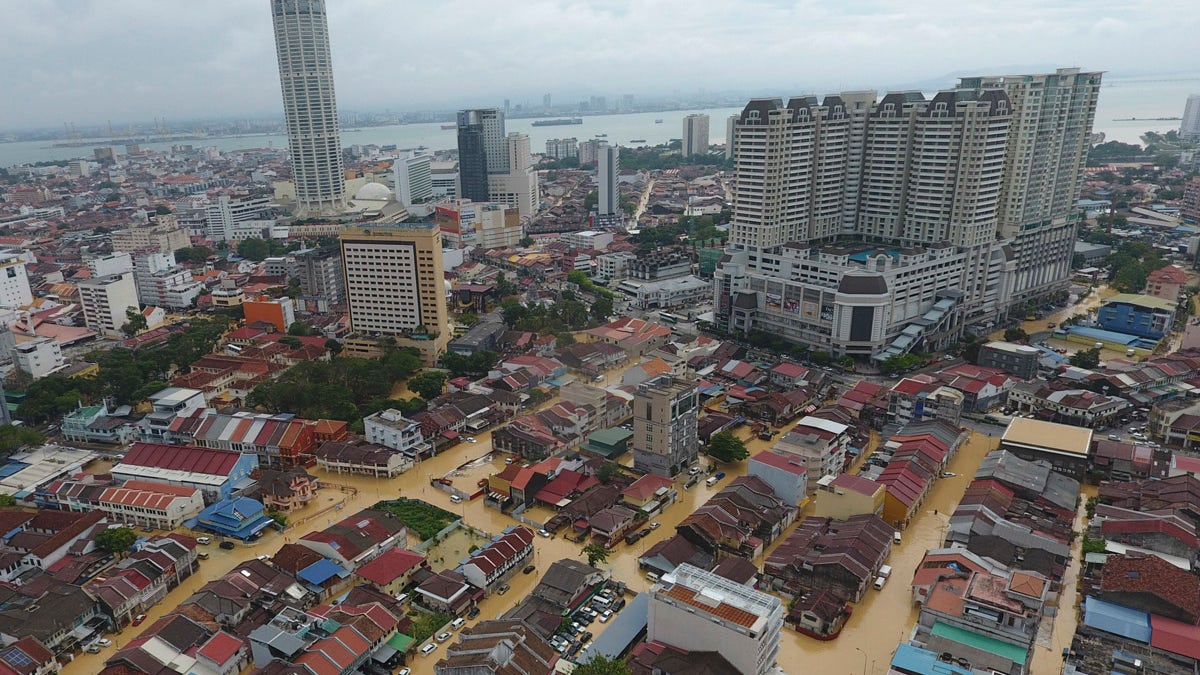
column 395, row 285
column 730, row 129
column 1043, row 171
column 14, row 279
column 877, row 227
column 665, row 414
column 700, row 611
column 38, row 357
column 320, row 273
column 695, row 135
column 161, row 282
column 105, row 300
column 1189, row 128
column 113, row 263
column 226, row 216
column 482, row 150
column 608, row 169
column 518, row 184
column 391, row 429
column 1020, row 360
column 488, row 225
column 165, row 234
column 309, row 104
column 562, row 148
column 413, row 176
column 589, row 152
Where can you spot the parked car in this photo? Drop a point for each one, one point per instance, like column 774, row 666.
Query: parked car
column 471, row 439
column 103, row 642
column 457, row 623
column 948, row 474
column 92, row 649
column 655, row 525
column 645, row 532
column 455, row 499
column 529, row 569
column 227, row 545
column 137, row 620
column 425, row 651
column 404, row 671
column 502, row 589
column 443, row 636
column 544, row 533
column 474, row 612
column 203, row 540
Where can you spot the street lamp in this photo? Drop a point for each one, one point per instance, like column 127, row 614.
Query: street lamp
column 860, row 651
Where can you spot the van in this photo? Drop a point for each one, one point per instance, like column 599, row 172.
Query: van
column 402, row 598
column 428, row 649
column 885, row 571
column 711, row 481
column 601, row 602
column 879, row 582
column 896, row 537
column 457, row 623
column 651, row 576
column 203, row 555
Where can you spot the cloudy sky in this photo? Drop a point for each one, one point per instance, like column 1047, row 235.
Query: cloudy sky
column 86, row 61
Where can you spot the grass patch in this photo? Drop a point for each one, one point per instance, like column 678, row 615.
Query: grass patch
column 423, row 517
column 425, row 624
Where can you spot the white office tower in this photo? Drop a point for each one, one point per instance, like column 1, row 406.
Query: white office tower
column 608, row 168
column 413, row 176
column 105, row 300
column 518, row 185
column 113, row 263
column 15, row 291
column 1189, row 128
column 699, row 611
column 695, row 135
column 562, row 148
column 161, row 282
column 309, row 104
column 226, row 217
column 1043, row 173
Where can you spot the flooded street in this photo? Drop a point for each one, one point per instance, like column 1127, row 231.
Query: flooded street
column 882, row 620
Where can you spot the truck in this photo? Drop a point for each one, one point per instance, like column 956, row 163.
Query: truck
column 885, row 571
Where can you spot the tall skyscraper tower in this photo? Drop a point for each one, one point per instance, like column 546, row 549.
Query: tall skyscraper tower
column 482, row 150
column 608, row 166
column 665, row 413
column 309, row 105
column 695, row 135
column 1189, row 128
column 1043, row 171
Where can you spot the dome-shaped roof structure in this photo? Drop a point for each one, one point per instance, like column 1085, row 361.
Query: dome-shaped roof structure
column 374, row 192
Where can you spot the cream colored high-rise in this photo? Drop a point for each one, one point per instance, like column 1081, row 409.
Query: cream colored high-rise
column 695, row 135
column 394, row 279
column 309, row 105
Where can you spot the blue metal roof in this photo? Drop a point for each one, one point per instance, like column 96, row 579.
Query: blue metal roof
column 321, row 571
column 912, row 659
column 1115, row 619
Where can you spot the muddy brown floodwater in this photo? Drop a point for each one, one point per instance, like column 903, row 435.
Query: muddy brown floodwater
column 877, row 625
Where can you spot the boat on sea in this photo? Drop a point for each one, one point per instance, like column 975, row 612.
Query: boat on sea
column 601, row 135
column 556, row 123
column 448, row 127
column 658, row 121
column 638, row 140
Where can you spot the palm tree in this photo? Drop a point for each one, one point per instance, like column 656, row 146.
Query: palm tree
column 595, row 554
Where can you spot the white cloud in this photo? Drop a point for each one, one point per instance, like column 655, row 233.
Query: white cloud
column 87, row 61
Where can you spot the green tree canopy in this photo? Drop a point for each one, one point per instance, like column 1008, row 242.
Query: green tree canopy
column 299, row 328
column 1087, row 358
column 602, row 665
column 1015, row 334
column 595, row 553
column 135, row 322
column 428, row 384
column 193, row 254
column 257, row 249
column 115, row 539
column 726, row 447
column 13, row 437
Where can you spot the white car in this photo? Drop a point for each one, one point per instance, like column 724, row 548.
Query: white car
column 203, row 540
column 471, row 439
column 655, row 525
column 544, row 533
column 103, row 642
column 455, row 499
column 442, row 637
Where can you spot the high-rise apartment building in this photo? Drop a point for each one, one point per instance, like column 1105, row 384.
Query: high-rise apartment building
column 163, row 232
column 395, row 284
column 469, row 224
column 876, row 227
column 15, row 290
column 413, row 176
column 608, row 168
column 104, row 301
column 665, row 414
column 730, row 128
column 1043, row 171
column 320, row 273
column 309, row 105
column 695, row 135
column 481, row 151
column 162, row 282
column 562, row 148
column 518, row 185
column 1189, row 128
column 589, row 152
column 700, row 611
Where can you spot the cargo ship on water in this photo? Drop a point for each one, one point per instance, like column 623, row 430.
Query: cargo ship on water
column 559, row 122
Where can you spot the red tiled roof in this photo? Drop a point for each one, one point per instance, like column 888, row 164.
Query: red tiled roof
column 221, row 647
column 390, row 566
column 721, row 610
column 1150, row 574
column 1175, row 636
column 645, row 487
column 182, row 458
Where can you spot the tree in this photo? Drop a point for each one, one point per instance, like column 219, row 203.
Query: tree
column 135, row 322
column 526, row 241
column 428, row 384
column 279, row 517
column 1087, row 358
column 602, row 665
column 725, row 447
column 116, row 539
column 193, row 254
column 259, row 249
column 595, row 553
column 602, row 308
column 291, row 341
column 13, row 437
column 7, row 501
column 162, row 210
column 1015, row 335
column 607, row 472
column 299, row 328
